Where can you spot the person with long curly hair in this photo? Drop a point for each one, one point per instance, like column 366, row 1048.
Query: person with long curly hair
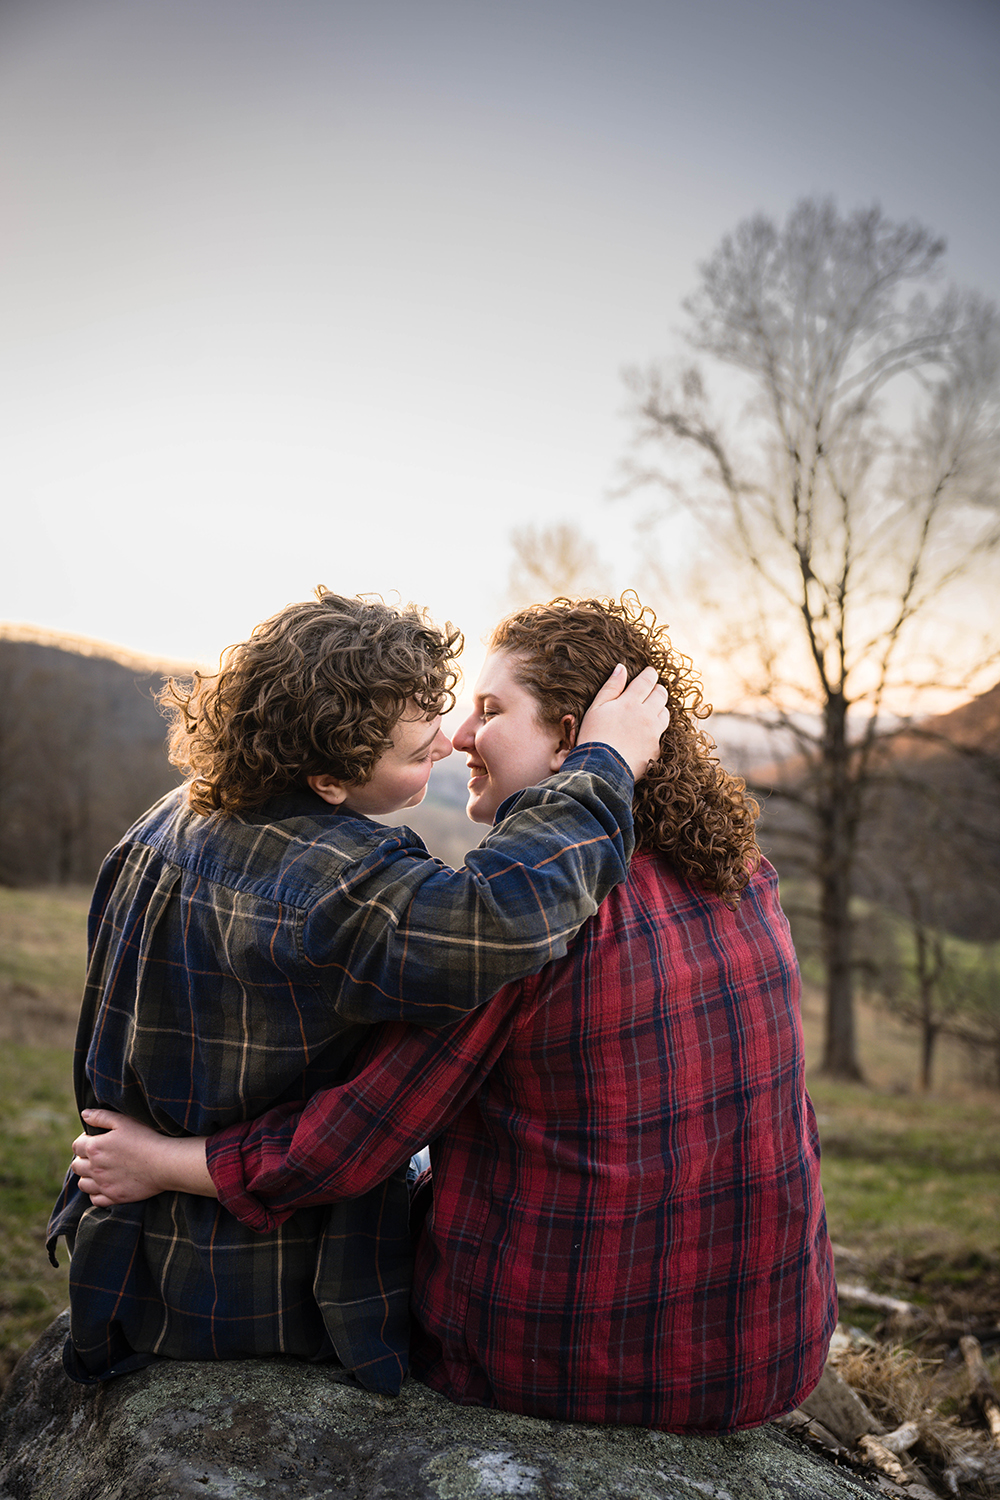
column 250, row 929
column 624, row 1220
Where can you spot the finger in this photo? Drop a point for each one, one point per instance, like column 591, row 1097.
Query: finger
column 99, row 1199
column 613, row 688
column 91, row 1187
column 80, row 1146
column 104, row 1119
column 644, row 684
column 657, row 699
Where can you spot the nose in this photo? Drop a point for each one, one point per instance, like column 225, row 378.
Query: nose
column 464, row 737
column 441, row 746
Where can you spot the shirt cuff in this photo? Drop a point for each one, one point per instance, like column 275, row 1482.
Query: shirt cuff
column 595, row 757
column 223, row 1153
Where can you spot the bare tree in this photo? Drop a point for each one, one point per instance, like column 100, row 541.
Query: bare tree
column 914, row 969
column 930, row 863
column 857, row 494
column 551, row 562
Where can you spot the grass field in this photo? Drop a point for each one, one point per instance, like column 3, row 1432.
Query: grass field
column 912, row 1182
column 43, row 937
column 907, row 1176
column 38, row 1120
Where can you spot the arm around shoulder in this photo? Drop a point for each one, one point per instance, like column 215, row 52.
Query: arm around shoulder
column 408, row 939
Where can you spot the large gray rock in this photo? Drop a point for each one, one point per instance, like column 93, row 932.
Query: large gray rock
column 260, row 1430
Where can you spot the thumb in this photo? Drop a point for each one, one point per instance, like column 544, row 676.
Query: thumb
column 101, row 1119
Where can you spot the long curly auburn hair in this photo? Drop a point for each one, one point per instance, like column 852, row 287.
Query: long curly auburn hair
column 686, row 806
column 317, row 688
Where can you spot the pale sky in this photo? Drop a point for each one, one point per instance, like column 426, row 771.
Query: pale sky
column 322, row 292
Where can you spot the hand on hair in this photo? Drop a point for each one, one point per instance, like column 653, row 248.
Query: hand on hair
column 630, row 718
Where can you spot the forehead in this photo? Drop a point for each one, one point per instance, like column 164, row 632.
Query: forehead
column 497, row 679
column 414, row 729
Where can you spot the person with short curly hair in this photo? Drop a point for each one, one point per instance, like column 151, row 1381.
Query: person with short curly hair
column 627, row 1223
column 317, row 688
column 250, row 929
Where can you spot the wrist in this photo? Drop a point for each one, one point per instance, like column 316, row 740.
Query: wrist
column 183, row 1168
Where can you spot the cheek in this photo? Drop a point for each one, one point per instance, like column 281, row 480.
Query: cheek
column 516, row 756
column 494, row 747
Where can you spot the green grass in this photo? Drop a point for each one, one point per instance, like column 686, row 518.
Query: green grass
column 911, row 1180
column 43, row 940
column 39, row 1120
column 909, row 1177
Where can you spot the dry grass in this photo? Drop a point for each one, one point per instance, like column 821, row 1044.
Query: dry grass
column 901, row 1387
column 912, row 1184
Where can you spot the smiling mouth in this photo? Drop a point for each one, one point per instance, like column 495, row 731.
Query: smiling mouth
column 476, row 773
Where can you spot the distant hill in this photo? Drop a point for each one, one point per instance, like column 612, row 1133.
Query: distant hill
column 82, row 753
column 973, row 726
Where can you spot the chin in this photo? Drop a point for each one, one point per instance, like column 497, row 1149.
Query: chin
column 476, row 813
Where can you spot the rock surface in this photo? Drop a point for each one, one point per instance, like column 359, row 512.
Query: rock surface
column 283, row 1430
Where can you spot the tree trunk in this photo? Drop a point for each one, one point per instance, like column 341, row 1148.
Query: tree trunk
column 929, row 1035
column 837, row 856
column 840, row 1053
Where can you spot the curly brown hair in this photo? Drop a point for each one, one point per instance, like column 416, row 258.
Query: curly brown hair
column 316, row 689
column 686, row 806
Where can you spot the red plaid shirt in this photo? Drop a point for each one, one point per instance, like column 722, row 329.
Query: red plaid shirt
column 627, row 1220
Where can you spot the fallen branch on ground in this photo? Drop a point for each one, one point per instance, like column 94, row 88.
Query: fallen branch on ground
column 856, row 1295
column 982, row 1386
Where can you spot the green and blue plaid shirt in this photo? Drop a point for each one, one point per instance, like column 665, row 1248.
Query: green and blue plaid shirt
column 237, row 963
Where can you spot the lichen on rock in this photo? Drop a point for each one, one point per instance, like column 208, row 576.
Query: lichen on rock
column 286, row 1430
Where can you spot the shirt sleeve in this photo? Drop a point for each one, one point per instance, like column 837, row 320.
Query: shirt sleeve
column 346, row 1140
column 400, row 936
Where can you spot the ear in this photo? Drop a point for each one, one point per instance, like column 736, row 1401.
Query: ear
column 328, row 787
column 567, row 739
